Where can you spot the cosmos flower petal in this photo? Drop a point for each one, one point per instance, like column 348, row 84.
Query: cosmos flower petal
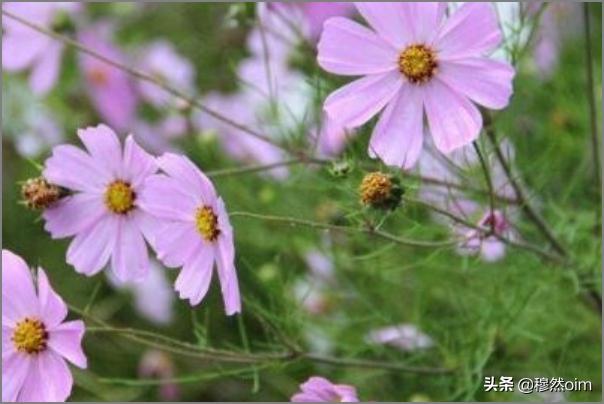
column 225, row 262
column 52, row 308
column 179, row 166
column 130, row 260
column 89, row 251
column 46, row 71
column 15, row 369
column 66, row 340
column 492, row 249
column 486, row 82
column 20, row 51
column 320, row 390
column 138, row 164
column 104, row 146
column 73, row 214
column 8, row 347
column 454, row 121
column 194, row 280
column 339, row 49
column 72, row 168
column 359, row 101
column 176, row 243
column 18, row 294
column 398, row 136
column 473, row 30
column 48, row 379
column 167, row 199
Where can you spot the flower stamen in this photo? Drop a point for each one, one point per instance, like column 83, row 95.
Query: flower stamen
column 30, row 336
column 417, row 63
column 119, row 197
column 206, row 222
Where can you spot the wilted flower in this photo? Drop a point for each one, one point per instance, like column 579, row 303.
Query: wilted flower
column 380, row 191
column 414, row 62
column 103, row 213
column 111, row 90
column 24, row 48
column 405, row 337
column 36, row 340
column 37, row 193
column 196, row 233
column 320, row 390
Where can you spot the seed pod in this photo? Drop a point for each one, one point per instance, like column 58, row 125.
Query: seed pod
column 380, row 191
column 37, row 193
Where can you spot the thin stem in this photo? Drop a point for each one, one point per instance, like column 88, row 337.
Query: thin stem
column 487, row 176
column 263, row 167
column 362, row 363
column 145, row 77
column 326, row 226
column 591, row 98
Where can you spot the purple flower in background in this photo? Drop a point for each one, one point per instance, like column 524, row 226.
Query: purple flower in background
column 405, row 337
column 317, row 12
column 415, row 62
column 103, row 212
column 161, row 61
column 490, row 247
column 36, row 340
column 110, row 89
column 24, row 48
column 153, row 296
column 196, row 234
column 157, row 364
column 320, row 390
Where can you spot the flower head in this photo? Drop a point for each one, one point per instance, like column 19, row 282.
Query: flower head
column 381, row 191
column 36, row 340
column 103, row 212
column 37, row 193
column 320, row 390
column 111, row 90
column 415, row 62
column 405, row 337
column 24, row 48
column 196, row 233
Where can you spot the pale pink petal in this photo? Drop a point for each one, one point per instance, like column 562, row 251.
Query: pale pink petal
column 147, row 224
column 19, row 51
column 454, row 121
column 52, row 307
column 398, row 135
column 15, row 369
column 138, row 164
column 66, row 340
column 8, row 347
column 72, row 168
column 45, row 71
column 176, row 243
column 194, row 279
column 48, row 379
column 163, row 197
column 18, row 294
column 339, row 49
column 104, row 146
column 492, row 249
column 130, row 259
column 485, row 81
column 73, row 214
column 183, row 169
column 359, row 101
column 225, row 262
column 472, row 30
column 90, row 251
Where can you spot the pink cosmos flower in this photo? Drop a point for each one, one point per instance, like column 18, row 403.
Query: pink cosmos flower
column 36, row 340
column 414, row 61
column 320, row 390
column 111, row 90
column 196, row 234
column 24, row 48
column 406, row 337
column 103, row 213
column 161, row 60
column 490, row 247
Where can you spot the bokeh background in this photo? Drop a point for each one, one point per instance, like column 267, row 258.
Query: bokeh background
column 520, row 316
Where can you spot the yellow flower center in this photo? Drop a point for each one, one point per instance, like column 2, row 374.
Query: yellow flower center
column 375, row 188
column 417, row 63
column 30, row 336
column 206, row 222
column 119, row 197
